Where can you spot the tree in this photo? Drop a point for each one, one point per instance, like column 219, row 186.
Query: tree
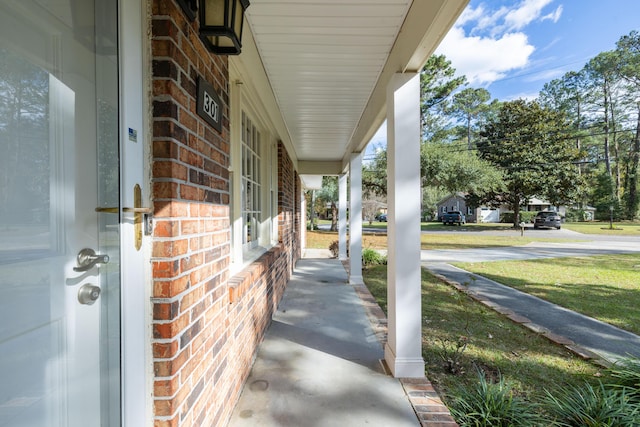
column 568, row 94
column 371, row 206
column 529, row 144
column 454, row 169
column 374, row 175
column 628, row 48
column 467, row 105
column 437, row 82
column 328, row 195
column 602, row 73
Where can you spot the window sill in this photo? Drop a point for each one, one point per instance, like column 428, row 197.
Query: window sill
column 248, row 257
column 243, row 278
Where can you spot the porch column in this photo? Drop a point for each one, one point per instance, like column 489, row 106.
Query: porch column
column 342, row 217
column 355, row 220
column 403, row 351
column 303, row 222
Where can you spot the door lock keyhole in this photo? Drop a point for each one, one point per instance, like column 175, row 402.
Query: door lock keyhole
column 88, row 294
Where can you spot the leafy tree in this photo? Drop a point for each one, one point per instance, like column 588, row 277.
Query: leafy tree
column 328, row 195
column 374, row 175
column 454, row 169
column 530, row 145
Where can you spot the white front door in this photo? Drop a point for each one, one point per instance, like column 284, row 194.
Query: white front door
column 59, row 214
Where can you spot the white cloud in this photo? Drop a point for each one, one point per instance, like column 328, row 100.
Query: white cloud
column 483, row 59
column 546, row 75
column 554, row 16
column 527, row 12
column 486, row 45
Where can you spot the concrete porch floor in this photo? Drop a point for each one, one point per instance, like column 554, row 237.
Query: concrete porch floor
column 320, row 362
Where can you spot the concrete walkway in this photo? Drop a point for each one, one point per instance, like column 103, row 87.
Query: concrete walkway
column 319, row 364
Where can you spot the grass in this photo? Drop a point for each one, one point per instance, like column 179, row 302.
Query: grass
column 605, row 287
column 322, row 240
column 494, row 345
column 619, row 228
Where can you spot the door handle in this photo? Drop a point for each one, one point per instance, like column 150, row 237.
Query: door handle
column 87, row 259
column 138, row 212
column 128, row 210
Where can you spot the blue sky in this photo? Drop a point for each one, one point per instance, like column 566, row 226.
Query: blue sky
column 512, row 48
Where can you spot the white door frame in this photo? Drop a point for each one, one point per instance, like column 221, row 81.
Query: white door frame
column 135, row 292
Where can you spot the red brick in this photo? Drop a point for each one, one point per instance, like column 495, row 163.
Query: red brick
column 168, row 368
column 170, row 329
column 165, row 350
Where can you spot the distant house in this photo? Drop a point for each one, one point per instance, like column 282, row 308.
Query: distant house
column 457, row 202
column 536, row 205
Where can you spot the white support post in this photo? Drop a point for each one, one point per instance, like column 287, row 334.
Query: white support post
column 403, row 351
column 303, row 222
column 355, row 220
column 342, row 217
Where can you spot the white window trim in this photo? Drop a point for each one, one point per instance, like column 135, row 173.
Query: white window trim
column 243, row 255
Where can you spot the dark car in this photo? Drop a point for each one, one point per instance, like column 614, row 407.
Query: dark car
column 547, row 219
column 382, row 218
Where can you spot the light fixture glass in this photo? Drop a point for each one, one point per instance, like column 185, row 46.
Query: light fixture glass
column 221, row 23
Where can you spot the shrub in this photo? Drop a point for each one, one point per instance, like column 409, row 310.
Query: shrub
column 592, row 406
column 577, row 215
column 493, row 405
column 627, row 373
column 334, row 248
column 372, row 257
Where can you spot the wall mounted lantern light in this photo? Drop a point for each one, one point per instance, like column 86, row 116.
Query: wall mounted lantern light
column 221, row 23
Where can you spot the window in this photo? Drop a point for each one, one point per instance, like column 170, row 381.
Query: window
column 251, row 191
column 253, row 179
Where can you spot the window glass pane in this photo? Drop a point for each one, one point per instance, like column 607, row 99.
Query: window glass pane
column 251, row 185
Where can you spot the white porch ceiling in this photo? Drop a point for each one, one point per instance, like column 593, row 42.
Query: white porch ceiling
column 328, row 63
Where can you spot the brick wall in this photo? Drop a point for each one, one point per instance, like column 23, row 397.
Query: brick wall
column 206, row 325
column 289, row 203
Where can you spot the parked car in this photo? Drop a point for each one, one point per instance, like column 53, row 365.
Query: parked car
column 453, row 217
column 548, row 219
column 382, row 218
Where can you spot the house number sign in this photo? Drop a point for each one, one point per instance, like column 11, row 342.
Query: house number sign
column 209, row 106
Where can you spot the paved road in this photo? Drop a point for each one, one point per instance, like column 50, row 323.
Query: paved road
column 597, row 337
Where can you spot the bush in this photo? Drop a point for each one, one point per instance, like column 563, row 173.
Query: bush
column 372, row 257
column 627, row 374
column 577, row 215
column 334, row 248
column 590, row 406
column 493, row 405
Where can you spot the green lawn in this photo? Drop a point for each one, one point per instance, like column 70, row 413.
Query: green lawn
column 619, row 228
column 605, row 287
column 495, row 345
column 322, row 240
